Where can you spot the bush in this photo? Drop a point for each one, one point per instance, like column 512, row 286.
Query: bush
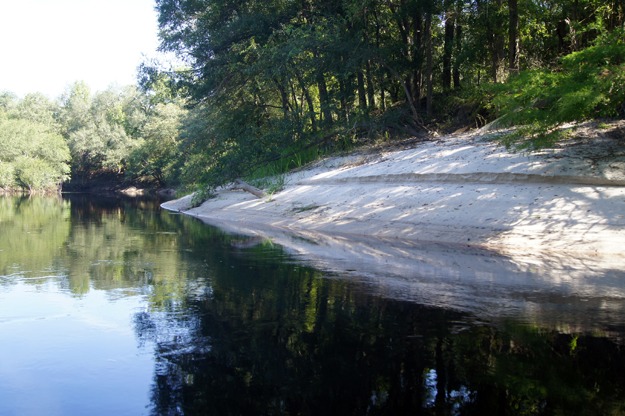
column 587, row 84
column 36, row 174
column 7, row 175
column 33, row 157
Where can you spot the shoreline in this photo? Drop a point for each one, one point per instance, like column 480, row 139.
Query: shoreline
column 477, row 236
column 459, row 190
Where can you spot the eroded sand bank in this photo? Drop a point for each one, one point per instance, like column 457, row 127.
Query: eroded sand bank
column 457, row 190
column 457, row 222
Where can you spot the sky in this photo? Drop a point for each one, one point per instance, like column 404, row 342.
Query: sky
column 47, row 45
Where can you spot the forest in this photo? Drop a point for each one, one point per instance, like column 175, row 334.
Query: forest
column 266, row 86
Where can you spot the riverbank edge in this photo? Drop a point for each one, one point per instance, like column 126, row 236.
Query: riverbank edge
column 461, row 190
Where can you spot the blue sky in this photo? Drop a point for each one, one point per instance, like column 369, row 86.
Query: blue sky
column 46, row 45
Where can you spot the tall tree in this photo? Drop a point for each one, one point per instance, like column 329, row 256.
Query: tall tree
column 272, row 77
column 101, row 130
column 513, row 35
column 450, row 31
column 429, row 63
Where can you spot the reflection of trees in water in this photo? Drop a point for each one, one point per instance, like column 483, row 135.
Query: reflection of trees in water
column 119, row 244
column 273, row 338
column 122, row 245
column 126, row 245
column 32, row 233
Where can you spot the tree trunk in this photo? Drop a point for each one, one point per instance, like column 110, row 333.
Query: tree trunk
column 370, row 87
column 513, row 36
column 345, row 106
column 381, row 73
column 429, row 63
column 457, row 55
column 408, row 94
column 244, row 186
column 284, row 97
column 498, row 56
column 309, row 102
column 298, row 109
column 324, row 100
column 417, row 58
column 448, row 48
column 490, row 9
column 362, row 94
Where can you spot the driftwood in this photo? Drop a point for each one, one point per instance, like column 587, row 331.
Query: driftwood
column 239, row 184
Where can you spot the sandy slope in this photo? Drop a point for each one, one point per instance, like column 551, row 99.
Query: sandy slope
column 459, row 190
column 460, row 223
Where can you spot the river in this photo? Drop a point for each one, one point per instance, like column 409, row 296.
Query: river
column 112, row 306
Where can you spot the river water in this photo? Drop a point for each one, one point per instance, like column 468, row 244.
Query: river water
column 115, row 307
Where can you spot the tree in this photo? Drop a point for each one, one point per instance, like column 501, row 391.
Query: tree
column 38, row 108
column 101, row 130
column 157, row 156
column 267, row 80
column 513, row 35
column 34, row 157
column 7, row 175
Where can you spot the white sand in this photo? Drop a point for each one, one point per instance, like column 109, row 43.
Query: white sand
column 457, row 190
column 459, row 223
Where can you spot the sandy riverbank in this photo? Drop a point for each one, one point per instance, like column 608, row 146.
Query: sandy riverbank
column 458, row 222
column 457, row 190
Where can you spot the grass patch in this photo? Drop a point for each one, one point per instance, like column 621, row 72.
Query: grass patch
column 201, row 195
column 271, row 176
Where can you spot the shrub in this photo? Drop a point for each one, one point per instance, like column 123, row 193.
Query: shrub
column 587, row 84
column 33, row 157
column 36, row 174
column 7, row 175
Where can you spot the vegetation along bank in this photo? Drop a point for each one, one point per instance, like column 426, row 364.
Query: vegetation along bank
column 265, row 87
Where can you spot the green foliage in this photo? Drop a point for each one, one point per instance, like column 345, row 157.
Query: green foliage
column 7, row 175
column 38, row 227
column 51, row 233
column 267, row 82
column 274, row 78
column 110, row 133
column 271, row 182
column 156, row 157
column 38, row 108
column 103, row 130
column 34, row 157
column 588, row 84
column 202, row 194
column 35, row 174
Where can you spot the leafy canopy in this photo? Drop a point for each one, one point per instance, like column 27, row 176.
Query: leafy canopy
column 34, row 155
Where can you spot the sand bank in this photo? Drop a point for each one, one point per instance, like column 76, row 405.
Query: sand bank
column 456, row 190
column 459, row 222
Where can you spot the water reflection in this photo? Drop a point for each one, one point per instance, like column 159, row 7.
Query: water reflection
column 318, row 346
column 160, row 314
column 572, row 291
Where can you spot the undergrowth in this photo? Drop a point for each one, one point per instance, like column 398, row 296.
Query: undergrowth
column 587, row 84
column 271, row 175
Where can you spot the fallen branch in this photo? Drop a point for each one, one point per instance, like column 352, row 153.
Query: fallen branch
column 239, row 184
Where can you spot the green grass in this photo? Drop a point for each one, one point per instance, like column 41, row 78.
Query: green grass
column 271, row 176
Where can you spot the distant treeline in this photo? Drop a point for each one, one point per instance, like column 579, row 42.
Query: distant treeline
column 114, row 136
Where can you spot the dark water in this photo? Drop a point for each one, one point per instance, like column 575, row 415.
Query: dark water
column 114, row 307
